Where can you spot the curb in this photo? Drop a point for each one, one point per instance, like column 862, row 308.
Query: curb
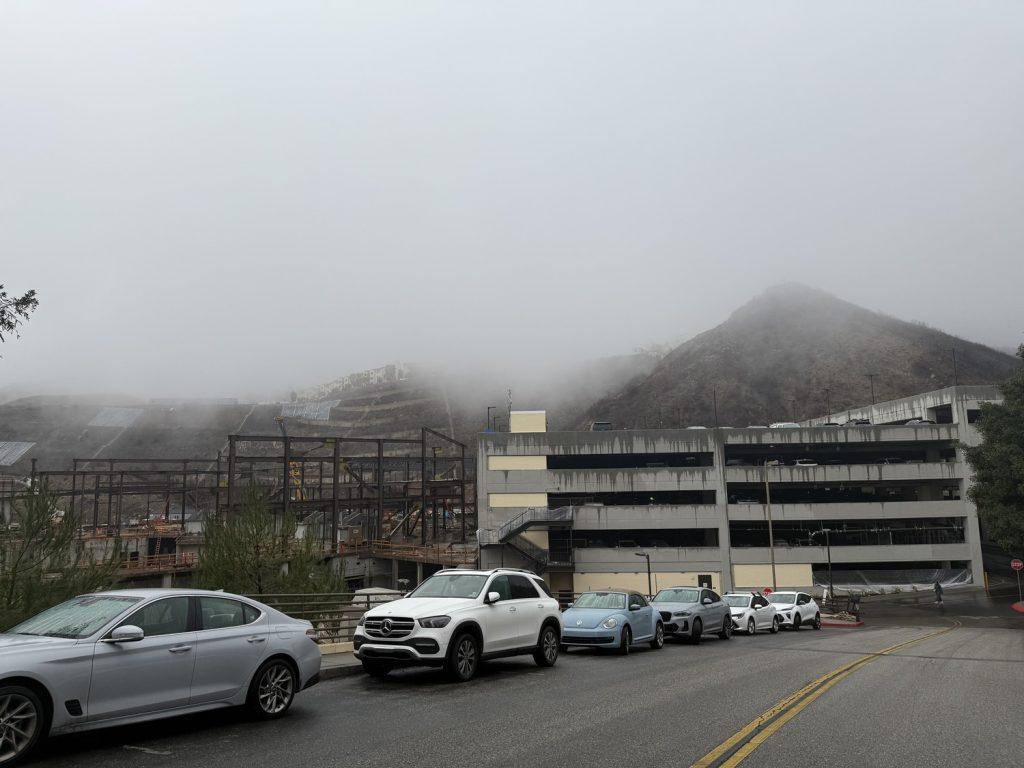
column 346, row 670
column 842, row 624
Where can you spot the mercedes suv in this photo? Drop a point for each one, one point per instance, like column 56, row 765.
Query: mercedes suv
column 457, row 618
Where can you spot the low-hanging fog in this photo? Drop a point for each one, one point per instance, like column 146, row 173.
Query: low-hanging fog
column 241, row 198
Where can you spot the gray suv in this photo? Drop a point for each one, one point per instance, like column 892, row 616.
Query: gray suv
column 692, row 612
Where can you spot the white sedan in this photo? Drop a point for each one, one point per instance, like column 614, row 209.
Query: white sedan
column 796, row 609
column 113, row 658
column 751, row 612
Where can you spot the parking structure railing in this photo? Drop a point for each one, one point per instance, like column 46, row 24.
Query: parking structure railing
column 334, row 615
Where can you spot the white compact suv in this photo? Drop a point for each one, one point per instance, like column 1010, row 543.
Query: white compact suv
column 751, row 611
column 456, row 618
column 796, row 609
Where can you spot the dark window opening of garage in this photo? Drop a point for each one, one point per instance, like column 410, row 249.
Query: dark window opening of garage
column 635, row 538
column 631, row 498
column 630, row 460
column 848, row 533
column 904, row 576
column 842, row 493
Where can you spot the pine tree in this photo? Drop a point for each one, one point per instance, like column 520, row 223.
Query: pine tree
column 43, row 560
column 998, row 465
column 251, row 551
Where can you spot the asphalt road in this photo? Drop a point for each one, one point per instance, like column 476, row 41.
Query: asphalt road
column 948, row 701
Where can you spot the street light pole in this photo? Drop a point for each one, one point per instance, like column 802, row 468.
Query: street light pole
column 771, row 530
column 828, row 551
column 650, row 590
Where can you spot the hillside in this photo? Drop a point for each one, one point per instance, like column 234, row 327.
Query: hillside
column 773, row 359
column 386, row 402
column 67, row 427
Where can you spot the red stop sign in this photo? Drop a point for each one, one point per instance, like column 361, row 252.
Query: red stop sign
column 1017, row 565
column 768, row 590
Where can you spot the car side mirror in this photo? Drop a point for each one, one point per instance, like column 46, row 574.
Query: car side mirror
column 634, row 607
column 707, row 601
column 570, row 605
column 492, row 597
column 126, row 633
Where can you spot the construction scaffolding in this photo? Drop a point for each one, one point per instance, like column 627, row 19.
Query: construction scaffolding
column 393, row 489
column 401, row 498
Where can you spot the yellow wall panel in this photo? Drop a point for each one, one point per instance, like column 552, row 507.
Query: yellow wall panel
column 528, row 421
column 498, row 500
column 517, row 462
column 585, row 582
column 760, row 576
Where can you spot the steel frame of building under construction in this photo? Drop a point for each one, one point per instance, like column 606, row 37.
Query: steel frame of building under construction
column 381, row 487
column 392, row 487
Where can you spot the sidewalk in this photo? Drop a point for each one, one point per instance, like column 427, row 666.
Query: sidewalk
column 339, row 664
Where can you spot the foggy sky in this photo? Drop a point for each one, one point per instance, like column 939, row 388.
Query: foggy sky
column 226, row 198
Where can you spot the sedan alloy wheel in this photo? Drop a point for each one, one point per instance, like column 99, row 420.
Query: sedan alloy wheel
column 276, row 688
column 19, row 723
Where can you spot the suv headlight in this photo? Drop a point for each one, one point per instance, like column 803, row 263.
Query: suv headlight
column 435, row 622
column 610, row 623
column 362, row 620
column 680, row 614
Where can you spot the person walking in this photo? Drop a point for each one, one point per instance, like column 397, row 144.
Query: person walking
column 938, row 593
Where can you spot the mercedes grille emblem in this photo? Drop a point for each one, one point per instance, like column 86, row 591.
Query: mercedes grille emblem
column 385, row 627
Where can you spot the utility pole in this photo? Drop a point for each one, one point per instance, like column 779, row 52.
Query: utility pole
column 650, row 589
column 771, row 531
column 828, row 550
column 714, row 401
column 955, row 377
column 871, row 378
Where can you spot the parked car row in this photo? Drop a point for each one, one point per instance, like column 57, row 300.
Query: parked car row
column 126, row 656
column 458, row 618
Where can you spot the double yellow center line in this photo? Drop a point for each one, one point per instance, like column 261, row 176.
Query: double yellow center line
column 738, row 747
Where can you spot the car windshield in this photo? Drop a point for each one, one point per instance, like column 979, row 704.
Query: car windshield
column 737, row 601
column 606, row 600
column 677, row 596
column 463, row 585
column 76, row 618
column 782, row 598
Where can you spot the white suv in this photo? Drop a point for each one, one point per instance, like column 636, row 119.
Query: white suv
column 796, row 609
column 458, row 617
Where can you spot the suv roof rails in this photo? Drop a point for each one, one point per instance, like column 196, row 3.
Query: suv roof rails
column 488, row 570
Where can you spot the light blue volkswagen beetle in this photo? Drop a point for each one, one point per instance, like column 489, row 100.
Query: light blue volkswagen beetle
column 612, row 619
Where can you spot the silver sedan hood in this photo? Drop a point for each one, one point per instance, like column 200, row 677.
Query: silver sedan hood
column 21, row 643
